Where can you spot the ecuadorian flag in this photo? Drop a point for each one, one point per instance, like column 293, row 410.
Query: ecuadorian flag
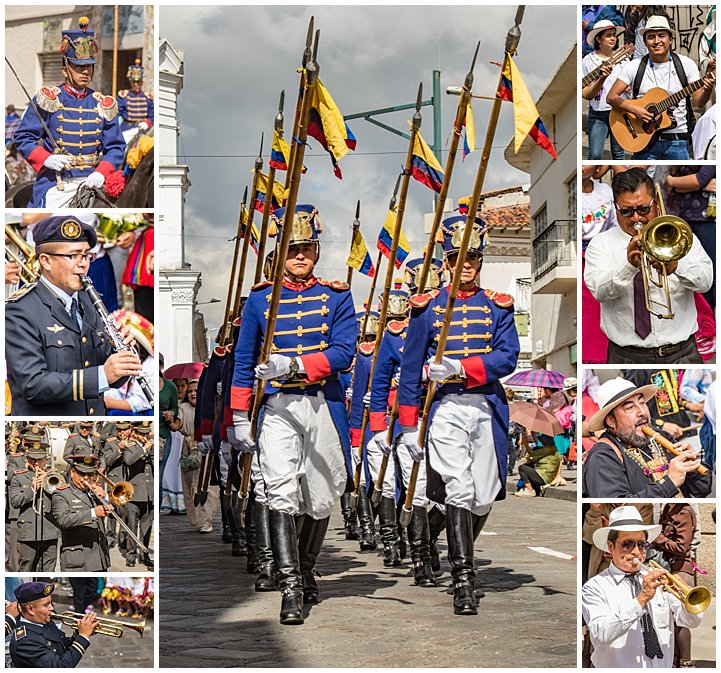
column 254, row 233
column 385, row 240
column 424, row 165
column 327, row 126
column 469, row 137
column 262, row 191
column 359, row 258
column 525, row 114
column 280, row 153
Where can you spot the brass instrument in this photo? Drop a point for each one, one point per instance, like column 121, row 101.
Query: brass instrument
column 664, row 239
column 24, row 257
column 105, row 627
column 694, row 599
column 50, row 482
column 121, row 492
column 660, row 439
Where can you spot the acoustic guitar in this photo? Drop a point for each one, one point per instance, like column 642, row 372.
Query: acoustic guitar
column 616, row 58
column 634, row 134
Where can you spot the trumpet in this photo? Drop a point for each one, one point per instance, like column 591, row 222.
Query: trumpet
column 105, row 627
column 694, row 599
column 664, row 239
column 659, row 439
column 25, row 256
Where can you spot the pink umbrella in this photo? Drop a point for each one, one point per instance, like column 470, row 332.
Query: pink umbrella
column 535, row 419
column 185, row 370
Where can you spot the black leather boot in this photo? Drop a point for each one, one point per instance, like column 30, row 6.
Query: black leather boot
column 437, row 522
column 419, row 537
column 251, row 540
column 267, row 577
column 478, row 523
column 459, row 530
column 227, row 536
column 238, row 547
column 389, row 532
column 310, row 541
column 350, row 518
column 284, row 542
column 367, row 529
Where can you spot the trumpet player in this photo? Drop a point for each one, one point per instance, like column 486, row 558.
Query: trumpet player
column 81, row 517
column 630, row 618
column 613, row 274
column 37, row 642
column 37, row 531
column 60, row 360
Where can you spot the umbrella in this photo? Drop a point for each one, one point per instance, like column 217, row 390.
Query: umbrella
column 534, row 418
column 536, row 378
column 185, row 370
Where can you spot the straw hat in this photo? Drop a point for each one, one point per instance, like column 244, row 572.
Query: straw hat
column 626, row 518
column 614, row 392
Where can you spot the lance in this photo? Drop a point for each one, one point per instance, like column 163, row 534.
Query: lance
column 463, row 102
column 512, row 39
column 268, row 199
column 355, row 227
column 415, row 128
column 281, row 252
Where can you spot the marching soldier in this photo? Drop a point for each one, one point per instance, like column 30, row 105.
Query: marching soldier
column 84, row 438
column 59, row 358
column 138, row 460
column 85, row 145
column 14, row 460
column 37, row 532
column 134, row 105
column 303, row 437
column 467, row 441
column 81, row 517
column 115, row 471
column 37, row 642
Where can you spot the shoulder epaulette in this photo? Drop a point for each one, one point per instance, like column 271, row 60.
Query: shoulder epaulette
column 367, row 347
column 107, row 106
column 72, row 434
column 19, row 632
column 396, row 327
column 62, row 487
column 338, row 285
column 262, row 285
column 48, row 99
column 20, row 293
column 122, row 93
column 422, row 300
column 500, row 299
column 20, row 471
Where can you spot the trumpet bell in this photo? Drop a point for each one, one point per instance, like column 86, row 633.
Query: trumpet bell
column 698, row 599
column 666, row 238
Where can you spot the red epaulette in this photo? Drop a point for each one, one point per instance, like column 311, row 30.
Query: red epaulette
column 219, row 351
column 62, row 487
column 51, row 92
column 259, row 286
column 422, row 300
column 338, row 285
column 367, row 347
column 500, row 299
column 20, row 471
column 396, row 327
column 122, row 93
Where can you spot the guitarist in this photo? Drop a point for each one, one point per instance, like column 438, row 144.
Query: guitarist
column 665, row 69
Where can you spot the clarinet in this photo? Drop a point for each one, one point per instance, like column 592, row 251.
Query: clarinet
column 115, row 336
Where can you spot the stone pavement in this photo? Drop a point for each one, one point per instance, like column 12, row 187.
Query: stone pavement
column 374, row 616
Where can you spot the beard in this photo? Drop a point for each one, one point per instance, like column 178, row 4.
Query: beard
column 634, row 439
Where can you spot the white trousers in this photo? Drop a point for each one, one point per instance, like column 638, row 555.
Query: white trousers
column 225, row 460
column 374, row 457
column 57, row 199
column 301, row 458
column 406, row 464
column 461, row 450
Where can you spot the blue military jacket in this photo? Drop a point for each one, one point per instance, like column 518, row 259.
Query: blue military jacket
column 135, row 108
column 44, row 646
column 84, row 126
column 386, row 373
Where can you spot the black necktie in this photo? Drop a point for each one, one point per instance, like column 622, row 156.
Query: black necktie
column 74, row 310
column 641, row 316
column 650, row 637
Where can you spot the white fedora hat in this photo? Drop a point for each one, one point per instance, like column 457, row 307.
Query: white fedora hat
column 614, row 392
column 656, row 22
column 599, row 27
column 626, row 518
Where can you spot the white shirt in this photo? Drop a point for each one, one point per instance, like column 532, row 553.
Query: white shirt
column 610, row 278
column 613, row 616
column 597, row 211
column 591, row 62
column 703, row 133
column 661, row 75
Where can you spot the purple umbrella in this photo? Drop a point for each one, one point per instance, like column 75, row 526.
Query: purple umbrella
column 536, row 378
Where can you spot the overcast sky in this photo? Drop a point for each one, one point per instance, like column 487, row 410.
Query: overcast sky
column 237, row 60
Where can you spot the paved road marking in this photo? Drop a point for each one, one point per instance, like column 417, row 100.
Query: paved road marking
column 551, row 552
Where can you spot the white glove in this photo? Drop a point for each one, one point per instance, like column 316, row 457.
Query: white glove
column 219, row 388
column 276, row 367
column 367, row 399
column 94, row 180
column 206, row 445
column 57, row 162
column 410, row 441
column 445, row 369
column 349, row 394
column 381, row 440
column 143, row 126
column 355, row 457
column 241, row 439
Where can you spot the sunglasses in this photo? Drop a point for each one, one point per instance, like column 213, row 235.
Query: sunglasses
column 628, row 545
column 641, row 210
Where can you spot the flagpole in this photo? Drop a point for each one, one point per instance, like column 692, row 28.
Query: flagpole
column 512, row 38
column 356, row 227
column 415, row 128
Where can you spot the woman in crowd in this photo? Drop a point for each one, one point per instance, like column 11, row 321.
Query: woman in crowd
column 541, row 468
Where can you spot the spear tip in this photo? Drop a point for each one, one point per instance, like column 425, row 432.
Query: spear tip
column 245, row 194
column 419, row 98
column 357, row 210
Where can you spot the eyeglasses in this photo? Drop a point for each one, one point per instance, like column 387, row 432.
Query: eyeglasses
column 641, row 210
column 75, row 257
column 628, row 545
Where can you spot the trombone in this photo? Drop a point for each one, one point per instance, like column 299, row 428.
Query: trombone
column 121, row 492
column 666, row 238
column 51, row 480
column 694, row 599
column 25, row 257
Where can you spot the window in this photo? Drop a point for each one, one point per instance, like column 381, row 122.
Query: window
column 540, row 222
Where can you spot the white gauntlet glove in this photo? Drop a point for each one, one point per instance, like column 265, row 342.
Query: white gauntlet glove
column 57, row 162
column 206, row 445
column 95, row 180
column 410, row 441
column 276, row 367
column 367, row 399
column 241, row 440
column 445, row 369
column 381, row 440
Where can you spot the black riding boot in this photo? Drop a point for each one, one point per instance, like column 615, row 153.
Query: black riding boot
column 437, row 522
column 459, row 531
column 250, row 538
column 367, row 529
column 284, row 542
column 224, row 504
column 478, row 523
column 389, row 532
column 267, row 577
column 239, row 547
column 310, row 541
column 419, row 537
column 350, row 518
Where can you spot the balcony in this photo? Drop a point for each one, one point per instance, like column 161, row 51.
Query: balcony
column 554, row 258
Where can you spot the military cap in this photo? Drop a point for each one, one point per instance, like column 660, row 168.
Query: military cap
column 84, row 461
column 135, row 71
column 371, row 324
column 413, row 272
column 122, row 425
column 453, row 228
column 37, row 449
column 63, row 229
column 85, row 424
column 144, row 427
column 78, row 45
column 306, row 224
column 33, row 591
column 398, row 303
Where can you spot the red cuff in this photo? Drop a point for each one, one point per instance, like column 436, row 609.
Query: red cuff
column 206, row 426
column 223, row 433
column 105, row 167
column 227, row 416
column 240, row 398
column 475, row 371
column 378, row 421
column 37, row 157
column 408, row 415
column 355, row 435
column 316, row 366
column 392, row 394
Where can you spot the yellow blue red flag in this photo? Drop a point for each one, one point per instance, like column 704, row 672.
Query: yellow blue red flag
column 261, row 191
column 280, row 153
column 469, row 138
column 359, row 258
column 385, row 240
column 424, row 165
